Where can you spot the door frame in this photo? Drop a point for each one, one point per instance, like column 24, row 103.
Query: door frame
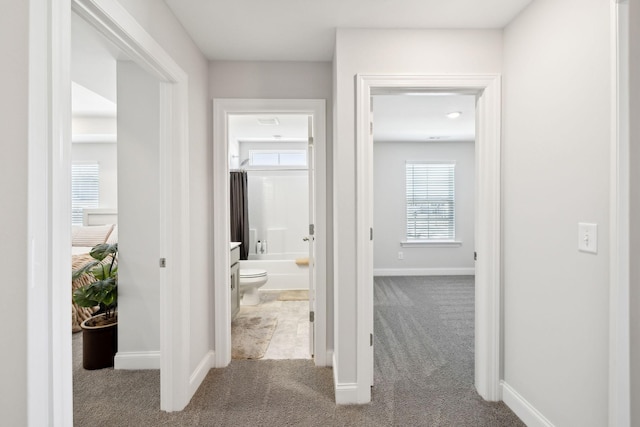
column 620, row 219
column 222, row 108
column 488, row 290
column 49, row 368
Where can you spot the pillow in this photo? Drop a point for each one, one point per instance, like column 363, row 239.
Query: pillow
column 113, row 236
column 90, row 235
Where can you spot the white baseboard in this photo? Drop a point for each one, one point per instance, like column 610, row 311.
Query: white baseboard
column 137, row 360
column 346, row 393
column 424, row 271
column 201, row 371
column 522, row 408
column 329, row 358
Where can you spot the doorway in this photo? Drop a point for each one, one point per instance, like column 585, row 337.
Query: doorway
column 486, row 89
column 227, row 111
column 49, row 292
column 269, row 158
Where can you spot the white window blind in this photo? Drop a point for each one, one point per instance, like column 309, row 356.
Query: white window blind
column 430, row 195
column 85, row 185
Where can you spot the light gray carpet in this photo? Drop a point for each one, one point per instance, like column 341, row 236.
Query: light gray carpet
column 251, row 334
column 424, row 376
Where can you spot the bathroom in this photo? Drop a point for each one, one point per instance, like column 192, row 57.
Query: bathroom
column 270, row 187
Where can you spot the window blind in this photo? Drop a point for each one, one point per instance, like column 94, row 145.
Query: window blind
column 430, row 196
column 85, row 185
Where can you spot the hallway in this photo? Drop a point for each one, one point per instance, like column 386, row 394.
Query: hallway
column 424, row 375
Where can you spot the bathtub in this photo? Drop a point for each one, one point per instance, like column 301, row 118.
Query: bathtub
column 284, row 274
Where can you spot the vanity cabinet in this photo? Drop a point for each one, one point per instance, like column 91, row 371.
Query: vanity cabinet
column 235, row 281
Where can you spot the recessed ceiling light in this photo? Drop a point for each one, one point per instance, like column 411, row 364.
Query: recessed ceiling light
column 454, row 114
column 269, row 122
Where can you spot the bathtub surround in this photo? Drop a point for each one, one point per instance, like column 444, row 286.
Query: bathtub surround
column 284, row 274
column 278, row 212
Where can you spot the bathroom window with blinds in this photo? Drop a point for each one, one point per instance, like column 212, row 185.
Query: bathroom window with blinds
column 430, row 196
column 85, row 186
column 278, row 158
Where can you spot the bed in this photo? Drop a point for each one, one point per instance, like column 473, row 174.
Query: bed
column 99, row 226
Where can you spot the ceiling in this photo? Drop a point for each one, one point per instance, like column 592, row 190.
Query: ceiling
column 85, row 102
column 93, row 66
column 418, row 117
column 422, row 117
column 304, row 30
column 289, row 127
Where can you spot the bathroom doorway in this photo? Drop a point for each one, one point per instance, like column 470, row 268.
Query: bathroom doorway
column 269, row 158
column 279, row 146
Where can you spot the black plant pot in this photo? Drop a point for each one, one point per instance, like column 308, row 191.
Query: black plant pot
column 99, row 345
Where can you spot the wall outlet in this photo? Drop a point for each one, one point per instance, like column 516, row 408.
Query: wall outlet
column 400, row 255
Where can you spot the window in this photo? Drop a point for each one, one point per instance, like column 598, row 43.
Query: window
column 277, row 157
column 430, row 196
column 84, row 189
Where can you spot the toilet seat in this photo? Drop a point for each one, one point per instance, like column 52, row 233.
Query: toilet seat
column 252, row 273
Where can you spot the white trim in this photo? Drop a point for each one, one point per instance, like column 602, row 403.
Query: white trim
column 222, row 108
column 522, row 408
column 430, row 244
column 488, row 210
column 347, row 393
column 424, row 271
column 133, row 360
column 96, row 138
column 49, row 352
column 49, row 369
column 198, row 375
column 619, row 314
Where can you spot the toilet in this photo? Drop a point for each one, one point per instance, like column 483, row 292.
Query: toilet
column 250, row 281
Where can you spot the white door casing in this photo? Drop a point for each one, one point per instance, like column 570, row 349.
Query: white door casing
column 311, row 162
column 222, row 108
column 620, row 219
column 488, row 209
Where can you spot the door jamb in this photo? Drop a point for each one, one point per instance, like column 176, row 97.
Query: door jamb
column 620, row 214
column 488, row 317
column 222, row 108
column 49, row 352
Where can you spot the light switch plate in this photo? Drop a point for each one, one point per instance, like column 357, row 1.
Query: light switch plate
column 588, row 237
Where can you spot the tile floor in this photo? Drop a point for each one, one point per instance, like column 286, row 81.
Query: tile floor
column 291, row 337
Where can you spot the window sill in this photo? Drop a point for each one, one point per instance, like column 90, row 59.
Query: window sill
column 430, row 244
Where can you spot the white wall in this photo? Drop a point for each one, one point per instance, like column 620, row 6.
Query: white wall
column 556, row 174
column 14, row 48
column 139, row 212
column 156, row 18
column 106, row 154
column 82, row 125
column 389, row 209
column 284, row 80
column 391, row 52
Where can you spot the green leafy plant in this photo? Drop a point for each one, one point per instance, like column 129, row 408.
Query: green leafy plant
column 103, row 292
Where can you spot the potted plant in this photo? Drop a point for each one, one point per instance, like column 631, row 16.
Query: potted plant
column 99, row 332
